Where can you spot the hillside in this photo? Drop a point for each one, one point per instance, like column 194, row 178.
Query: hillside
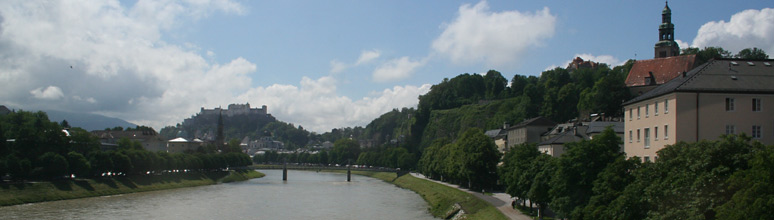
column 88, row 121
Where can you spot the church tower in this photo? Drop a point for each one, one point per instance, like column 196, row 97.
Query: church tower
column 666, row 46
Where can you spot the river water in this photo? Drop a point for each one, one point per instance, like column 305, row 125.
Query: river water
column 306, row 195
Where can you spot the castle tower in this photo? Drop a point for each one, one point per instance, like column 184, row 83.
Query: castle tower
column 666, row 46
column 219, row 139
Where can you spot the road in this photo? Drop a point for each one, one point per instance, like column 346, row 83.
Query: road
column 501, row 201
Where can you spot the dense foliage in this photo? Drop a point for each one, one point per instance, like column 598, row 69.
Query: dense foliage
column 470, row 161
column 41, row 149
column 730, row 178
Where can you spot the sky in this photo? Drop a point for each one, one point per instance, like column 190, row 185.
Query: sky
column 322, row 64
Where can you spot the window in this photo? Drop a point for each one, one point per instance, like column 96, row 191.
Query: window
column 630, row 136
column 729, row 104
column 646, row 110
column 756, row 131
column 730, row 129
column 630, row 114
column 655, row 109
column 647, row 159
column 655, row 133
column 666, row 132
column 756, row 104
column 666, row 106
column 647, row 138
column 638, row 112
column 638, row 135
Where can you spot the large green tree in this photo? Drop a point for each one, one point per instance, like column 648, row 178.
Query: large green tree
column 752, row 53
column 480, row 158
column 577, row 169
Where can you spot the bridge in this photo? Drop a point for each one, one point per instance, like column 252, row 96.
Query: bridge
column 348, row 168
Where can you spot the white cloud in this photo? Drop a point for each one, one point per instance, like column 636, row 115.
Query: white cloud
column 112, row 60
column 338, row 66
column 608, row 59
column 367, row 56
column 50, row 93
column 396, row 69
column 496, row 38
column 315, row 104
column 746, row 29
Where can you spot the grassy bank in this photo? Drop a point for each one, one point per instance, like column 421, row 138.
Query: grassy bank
column 20, row 193
column 441, row 198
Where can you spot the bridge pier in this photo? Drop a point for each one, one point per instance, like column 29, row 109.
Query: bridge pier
column 285, row 171
column 349, row 170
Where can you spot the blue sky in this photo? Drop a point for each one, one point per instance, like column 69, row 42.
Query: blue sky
column 322, row 64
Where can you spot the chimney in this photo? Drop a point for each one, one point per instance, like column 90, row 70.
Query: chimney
column 684, row 73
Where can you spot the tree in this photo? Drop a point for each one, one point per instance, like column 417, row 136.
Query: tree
column 545, row 167
column 754, row 189
column 18, row 168
column 121, row 163
column 752, row 54
column 609, row 185
column 480, row 158
column 233, row 146
column 577, row 169
column 79, row 165
column 706, row 54
column 346, row 149
column 690, row 180
column 495, row 84
column 516, row 163
column 51, row 165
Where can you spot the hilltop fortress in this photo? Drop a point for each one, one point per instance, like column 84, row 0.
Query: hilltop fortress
column 235, row 109
column 232, row 110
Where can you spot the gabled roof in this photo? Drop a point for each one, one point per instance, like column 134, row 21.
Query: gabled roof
column 720, row 76
column 4, row 110
column 563, row 138
column 536, row 121
column 495, row 133
column 662, row 69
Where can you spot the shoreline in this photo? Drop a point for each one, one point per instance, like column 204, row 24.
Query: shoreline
column 34, row 192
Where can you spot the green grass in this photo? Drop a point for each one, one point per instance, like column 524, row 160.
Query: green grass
column 441, row 198
column 20, row 193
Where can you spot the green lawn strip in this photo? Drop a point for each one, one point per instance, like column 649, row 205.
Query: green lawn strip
column 20, row 193
column 441, row 198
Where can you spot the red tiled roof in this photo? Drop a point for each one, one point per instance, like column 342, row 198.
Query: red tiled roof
column 664, row 69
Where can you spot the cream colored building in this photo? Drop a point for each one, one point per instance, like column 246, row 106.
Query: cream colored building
column 725, row 96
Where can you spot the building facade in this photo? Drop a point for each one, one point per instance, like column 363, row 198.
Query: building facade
column 726, row 96
column 529, row 131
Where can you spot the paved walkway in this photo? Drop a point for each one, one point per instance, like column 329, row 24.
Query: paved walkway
column 501, row 201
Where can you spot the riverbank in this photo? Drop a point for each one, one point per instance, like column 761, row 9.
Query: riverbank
column 31, row 192
column 444, row 201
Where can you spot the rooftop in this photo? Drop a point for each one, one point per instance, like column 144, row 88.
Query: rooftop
column 720, row 76
column 661, row 69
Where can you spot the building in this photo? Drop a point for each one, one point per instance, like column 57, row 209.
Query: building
column 149, row 139
column 554, row 140
column 722, row 96
column 579, row 63
column 666, row 65
column 232, row 110
column 528, row 131
column 180, row 145
column 500, row 137
column 4, row 110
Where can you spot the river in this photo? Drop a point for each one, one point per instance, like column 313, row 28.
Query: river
column 306, row 195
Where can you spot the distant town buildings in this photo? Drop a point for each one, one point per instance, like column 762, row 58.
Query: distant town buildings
column 232, row 110
column 149, row 139
column 722, row 96
column 579, row 63
column 181, row 145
